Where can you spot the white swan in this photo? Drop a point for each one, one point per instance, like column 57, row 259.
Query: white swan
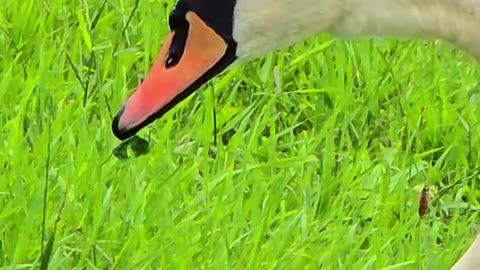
column 207, row 36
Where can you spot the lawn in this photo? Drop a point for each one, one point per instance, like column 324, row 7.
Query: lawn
column 317, row 158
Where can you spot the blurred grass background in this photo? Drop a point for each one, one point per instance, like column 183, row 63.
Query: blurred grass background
column 322, row 150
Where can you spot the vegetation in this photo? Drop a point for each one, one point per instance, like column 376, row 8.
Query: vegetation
column 318, row 159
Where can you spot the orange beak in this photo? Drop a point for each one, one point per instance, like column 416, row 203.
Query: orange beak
column 204, row 55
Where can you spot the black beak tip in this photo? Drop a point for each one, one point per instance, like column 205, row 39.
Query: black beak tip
column 121, row 133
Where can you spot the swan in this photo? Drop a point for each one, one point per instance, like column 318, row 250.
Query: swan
column 471, row 258
column 208, row 36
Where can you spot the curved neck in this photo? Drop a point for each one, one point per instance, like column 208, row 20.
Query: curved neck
column 455, row 21
column 264, row 25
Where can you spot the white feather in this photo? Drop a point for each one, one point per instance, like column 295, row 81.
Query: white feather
column 261, row 26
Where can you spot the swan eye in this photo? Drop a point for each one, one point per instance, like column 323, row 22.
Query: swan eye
column 172, row 60
column 180, row 28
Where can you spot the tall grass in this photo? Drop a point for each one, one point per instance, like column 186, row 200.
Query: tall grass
column 322, row 151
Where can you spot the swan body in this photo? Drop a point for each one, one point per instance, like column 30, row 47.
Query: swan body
column 471, row 259
column 208, row 36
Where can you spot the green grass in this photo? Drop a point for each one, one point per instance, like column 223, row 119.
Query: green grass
column 322, row 151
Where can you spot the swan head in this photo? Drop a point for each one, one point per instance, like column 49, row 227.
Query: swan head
column 199, row 46
column 205, row 38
